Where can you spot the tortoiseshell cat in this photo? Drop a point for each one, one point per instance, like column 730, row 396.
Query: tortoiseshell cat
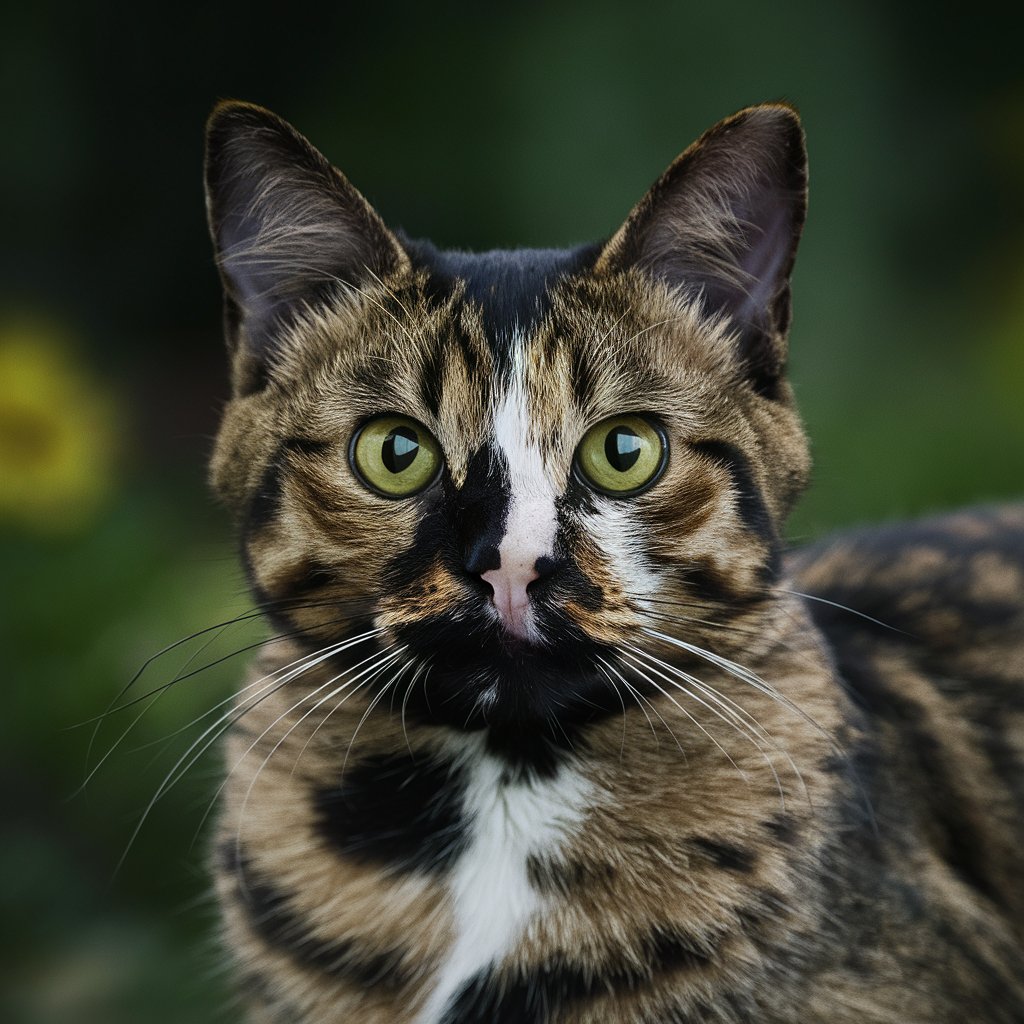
column 553, row 734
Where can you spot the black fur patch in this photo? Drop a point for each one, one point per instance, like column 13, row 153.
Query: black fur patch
column 540, row 697
column 510, row 286
column 564, row 878
column 534, row 693
column 725, row 855
column 480, row 511
column 750, row 503
column 490, row 1000
column 274, row 918
column 532, row 755
column 536, row 996
column 396, row 810
column 266, row 502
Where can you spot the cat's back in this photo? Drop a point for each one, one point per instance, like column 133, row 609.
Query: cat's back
column 926, row 624
column 946, row 593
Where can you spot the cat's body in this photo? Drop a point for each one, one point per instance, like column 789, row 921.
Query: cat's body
column 553, row 734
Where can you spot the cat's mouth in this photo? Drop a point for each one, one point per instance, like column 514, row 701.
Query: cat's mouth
column 474, row 673
column 520, row 645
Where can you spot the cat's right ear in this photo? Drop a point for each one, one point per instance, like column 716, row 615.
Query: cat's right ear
column 287, row 228
column 721, row 226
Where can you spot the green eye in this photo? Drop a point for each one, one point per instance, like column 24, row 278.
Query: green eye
column 622, row 455
column 395, row 456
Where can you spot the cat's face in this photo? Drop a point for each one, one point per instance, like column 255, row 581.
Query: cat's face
column 511, row 468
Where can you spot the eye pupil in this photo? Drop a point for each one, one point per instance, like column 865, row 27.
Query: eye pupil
column 400, row 448
column 622, row 448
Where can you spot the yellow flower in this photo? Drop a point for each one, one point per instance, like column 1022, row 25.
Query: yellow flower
column 57, row 433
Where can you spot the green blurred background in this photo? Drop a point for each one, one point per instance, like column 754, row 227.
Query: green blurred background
column 536, row 125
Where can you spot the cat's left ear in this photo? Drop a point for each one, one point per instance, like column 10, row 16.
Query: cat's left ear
column 723, row 223
column 287, row 228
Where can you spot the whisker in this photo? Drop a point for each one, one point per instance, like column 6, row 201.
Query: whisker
column 685, row 620
column 323, row 721
column 759, row 684
column 424, row 669
column 727, row 716
column 735, row 709
column 375, row 656
column 176, row 772
column 728, row 627
column 373, row 669
column 728, row 705
column 112, row 709
column 279, row 638
column 844, row 608
column 638, row 696
column 366, row 714
column 159, row 691
column 257, row 612
column 379, row 660
column 97, row 720
column 618, row 693
column 643, row 675
column 743, row 674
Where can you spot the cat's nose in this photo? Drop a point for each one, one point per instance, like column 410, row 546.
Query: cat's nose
column 509, row 584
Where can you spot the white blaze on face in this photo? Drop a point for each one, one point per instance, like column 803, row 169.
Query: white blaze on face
column 531, row 523
column 615, row 532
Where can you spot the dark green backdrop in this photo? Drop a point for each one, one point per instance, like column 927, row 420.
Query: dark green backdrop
column 537, row 125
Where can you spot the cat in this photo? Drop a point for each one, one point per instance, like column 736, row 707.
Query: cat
column 552, row 730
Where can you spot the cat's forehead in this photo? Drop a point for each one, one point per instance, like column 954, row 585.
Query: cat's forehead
column 511, row 289
column 556, row 331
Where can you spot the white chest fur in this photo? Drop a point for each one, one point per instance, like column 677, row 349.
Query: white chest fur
column 492, row 899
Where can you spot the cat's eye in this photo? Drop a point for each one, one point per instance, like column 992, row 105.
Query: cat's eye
column 623, row 455
column 395, row 456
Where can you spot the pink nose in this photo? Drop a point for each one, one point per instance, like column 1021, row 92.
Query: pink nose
column 510, row 597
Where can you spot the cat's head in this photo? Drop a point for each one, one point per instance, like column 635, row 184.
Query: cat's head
column 515, row 469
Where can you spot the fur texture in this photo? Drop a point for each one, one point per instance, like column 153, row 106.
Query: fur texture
column 654, row 781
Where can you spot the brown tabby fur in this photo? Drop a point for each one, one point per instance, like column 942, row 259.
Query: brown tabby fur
column 836, row 837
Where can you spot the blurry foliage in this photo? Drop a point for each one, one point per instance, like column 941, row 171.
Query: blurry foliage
column 58, row 440
column 529, row 124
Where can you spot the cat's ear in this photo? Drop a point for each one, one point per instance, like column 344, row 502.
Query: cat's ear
column 723, row 223
column 287, row 228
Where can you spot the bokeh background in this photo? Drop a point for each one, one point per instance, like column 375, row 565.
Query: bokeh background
column 536, row 124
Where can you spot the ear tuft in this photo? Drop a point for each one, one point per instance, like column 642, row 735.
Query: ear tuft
column 287, row 227
column 723, row 224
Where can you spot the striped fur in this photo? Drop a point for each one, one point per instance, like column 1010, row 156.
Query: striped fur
column 667, row 786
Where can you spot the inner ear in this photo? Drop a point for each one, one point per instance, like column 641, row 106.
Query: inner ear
column 722, row 225
column 287, row 228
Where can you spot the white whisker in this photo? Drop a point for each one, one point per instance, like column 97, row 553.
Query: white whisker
column 754, row 733
column 189, row 758
column 842, row 607
column 647, row 679
column 638, row 696
column 743, row 674
column 380, row 660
